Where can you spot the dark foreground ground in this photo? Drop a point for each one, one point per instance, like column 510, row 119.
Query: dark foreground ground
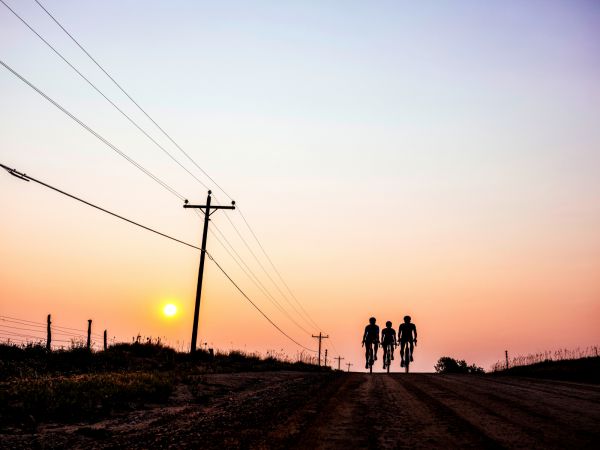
column 327, row 410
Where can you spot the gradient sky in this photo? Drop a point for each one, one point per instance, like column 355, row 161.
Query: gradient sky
column 437, row 159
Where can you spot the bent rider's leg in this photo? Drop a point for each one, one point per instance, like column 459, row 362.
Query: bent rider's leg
column 376, row 345
column 367, row 355
column 412, row 347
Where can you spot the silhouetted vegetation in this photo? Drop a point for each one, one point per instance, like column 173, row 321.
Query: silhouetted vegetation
column 584, row 370
column 447, row 364
column 79, row 384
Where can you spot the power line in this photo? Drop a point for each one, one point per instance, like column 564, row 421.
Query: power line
column 132, row 100
column 97, row 135
column 257, row 308
column 254, row 278
column 263, row 267
column 133, row 122
column 25, row 177
column 302, row 314
column 28, row 178
column 276, row 270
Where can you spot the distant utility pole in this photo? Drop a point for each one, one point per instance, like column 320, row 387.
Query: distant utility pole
column 320, row 337
column 105, row 343
column 325, row 363
column 207, row 210
column 506, row 354
column 349, row 364
column 339, row 359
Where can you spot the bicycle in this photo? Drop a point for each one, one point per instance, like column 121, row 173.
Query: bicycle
column 387, row 356
column 370, row 361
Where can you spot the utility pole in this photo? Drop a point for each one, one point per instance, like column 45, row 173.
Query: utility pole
column 339, row 359
column 207, row 210
column 325, row 363
column 349, row 364
column 320, row 337
column 506, row 354
column 105, row 343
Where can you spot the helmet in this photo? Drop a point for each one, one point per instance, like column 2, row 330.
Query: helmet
column 407, row 318
column 388, row 323
column 372, row 320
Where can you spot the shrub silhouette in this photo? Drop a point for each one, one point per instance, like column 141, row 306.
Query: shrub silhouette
column 450, row 365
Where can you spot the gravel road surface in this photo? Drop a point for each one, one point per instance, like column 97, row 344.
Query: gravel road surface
column 331, row 411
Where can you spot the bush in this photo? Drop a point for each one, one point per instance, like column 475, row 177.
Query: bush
column 450, row 365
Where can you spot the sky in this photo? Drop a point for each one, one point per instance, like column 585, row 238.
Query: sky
column 437, row 159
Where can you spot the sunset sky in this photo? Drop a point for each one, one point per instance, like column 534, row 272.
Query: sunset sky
column 439, row 159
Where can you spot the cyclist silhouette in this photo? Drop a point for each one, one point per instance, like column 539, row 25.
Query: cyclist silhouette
column 405, row 335
column 388, row 337
column 371, row 337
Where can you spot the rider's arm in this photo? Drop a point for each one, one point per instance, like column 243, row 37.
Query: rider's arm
column 365, row 335
column 415, row 330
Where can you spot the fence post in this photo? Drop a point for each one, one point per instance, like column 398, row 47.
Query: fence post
column 105, row 340
column 89, row 336
column 48, row 335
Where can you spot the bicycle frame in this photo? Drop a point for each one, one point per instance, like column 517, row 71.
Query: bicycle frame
column 387, row 356
column 370, row 353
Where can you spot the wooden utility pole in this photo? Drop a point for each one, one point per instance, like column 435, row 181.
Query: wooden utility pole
column 325, row 362
column 349, row 364
column 506, row 354
column 339, row 360
column 207, row 210
column 320, row 337
column 48, row 334
column 89, row 337
column 105, row 346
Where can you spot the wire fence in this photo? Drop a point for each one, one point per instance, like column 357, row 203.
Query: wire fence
column 549, row 355
column 18, row 331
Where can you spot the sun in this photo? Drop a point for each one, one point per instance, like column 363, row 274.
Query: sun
column 170, row 310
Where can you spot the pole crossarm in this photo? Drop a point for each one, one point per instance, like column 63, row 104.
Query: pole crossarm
column 211, row 207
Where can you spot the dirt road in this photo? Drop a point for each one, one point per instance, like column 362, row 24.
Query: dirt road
column 300, row 410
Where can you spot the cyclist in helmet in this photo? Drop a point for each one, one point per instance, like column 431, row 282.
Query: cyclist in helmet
column 405, row 335
column 371, row 337
column 388, row 337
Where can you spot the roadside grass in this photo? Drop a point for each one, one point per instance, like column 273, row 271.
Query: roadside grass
column 583, row 370
column 89, row 396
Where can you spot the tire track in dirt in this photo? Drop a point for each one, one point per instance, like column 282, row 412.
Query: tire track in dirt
column 466, row 432
column 512, row 420
column 532, row 412
column 344, row 421
column 578, row 391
